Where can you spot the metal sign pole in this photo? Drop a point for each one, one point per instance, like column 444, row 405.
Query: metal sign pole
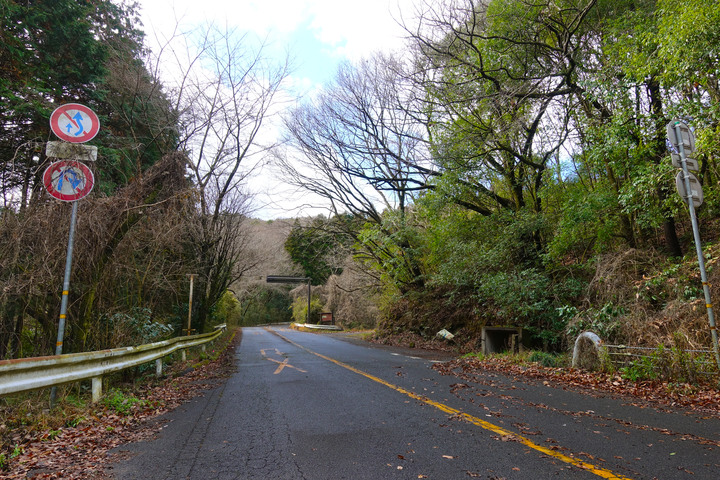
column 70, row 181
column 65, row 292
column 698, row 245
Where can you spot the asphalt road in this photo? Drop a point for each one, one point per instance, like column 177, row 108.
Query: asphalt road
column 312, row 406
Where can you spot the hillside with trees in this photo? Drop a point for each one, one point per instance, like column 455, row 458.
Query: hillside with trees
column 513, row 170
column 508, row 168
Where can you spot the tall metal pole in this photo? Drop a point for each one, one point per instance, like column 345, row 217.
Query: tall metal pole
column 698, row 245
column 189, row 329
column 65, row 292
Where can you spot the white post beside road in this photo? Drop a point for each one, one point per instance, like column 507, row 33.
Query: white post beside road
column 96, row 389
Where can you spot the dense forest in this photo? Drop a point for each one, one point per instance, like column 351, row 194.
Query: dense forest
column 510, row 167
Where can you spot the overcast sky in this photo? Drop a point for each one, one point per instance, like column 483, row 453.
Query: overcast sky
column 318, row 34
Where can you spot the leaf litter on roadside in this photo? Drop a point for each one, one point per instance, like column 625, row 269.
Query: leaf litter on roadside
column 702, row 397
column 80, row 452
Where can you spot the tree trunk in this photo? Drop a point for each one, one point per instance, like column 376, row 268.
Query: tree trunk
column 15, row 350
column 658, row 153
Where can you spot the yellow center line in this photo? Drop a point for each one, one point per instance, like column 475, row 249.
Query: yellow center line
column 600, row 472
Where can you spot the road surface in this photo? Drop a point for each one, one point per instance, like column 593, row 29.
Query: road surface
column 312, row 406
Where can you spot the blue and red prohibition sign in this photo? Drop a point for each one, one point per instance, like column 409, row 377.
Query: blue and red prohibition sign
column 68, row 180
column 74, row 123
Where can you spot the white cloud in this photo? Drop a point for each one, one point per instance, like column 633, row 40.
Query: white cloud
column 356, row 28
column 353, row 29
column 282, row 16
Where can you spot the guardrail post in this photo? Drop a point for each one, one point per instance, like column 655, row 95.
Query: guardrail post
column 158, row 367
column 96, row 389
column 184, row 355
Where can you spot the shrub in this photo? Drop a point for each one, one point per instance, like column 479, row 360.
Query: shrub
column 299, row 310
column 121, row 403
column 546, row 359
column 605, row 322
column 137, row 327
column 669, row 364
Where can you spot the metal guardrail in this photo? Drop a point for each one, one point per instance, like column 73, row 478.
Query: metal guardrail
column 624, row 355
column 26, row 374
column 312, row 326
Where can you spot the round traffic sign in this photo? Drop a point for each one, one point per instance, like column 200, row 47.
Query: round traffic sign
column 68, row 180
column 74, row 123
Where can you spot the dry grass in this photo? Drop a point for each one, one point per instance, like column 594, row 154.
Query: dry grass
column 616, row 276
column 663, row 302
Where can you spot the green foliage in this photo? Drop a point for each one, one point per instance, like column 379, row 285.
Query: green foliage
column 639, row 196
column 546, row 359
column 518, row 298
column 668, row 364
column 228, row 310
column 120, row 402
column 139, row 326
column 474, row 355
column 642, row 369
column 56, row 51
column 74, row 421
column 587, row 222
column 496, row 264
column 394, row 250
column 299, row 310
column 678, row 280
column 16, row 452
column 605, row 321
column 264, row 304
column 464, row 246
column 687, row 36
column 314, row 248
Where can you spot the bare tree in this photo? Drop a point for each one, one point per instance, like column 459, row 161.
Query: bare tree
column 129, row 252
column 227, row 92
column 362, row 145
column 356, row 144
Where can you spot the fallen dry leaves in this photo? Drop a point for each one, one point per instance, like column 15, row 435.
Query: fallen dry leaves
column 702, row 397
column 80, row 452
